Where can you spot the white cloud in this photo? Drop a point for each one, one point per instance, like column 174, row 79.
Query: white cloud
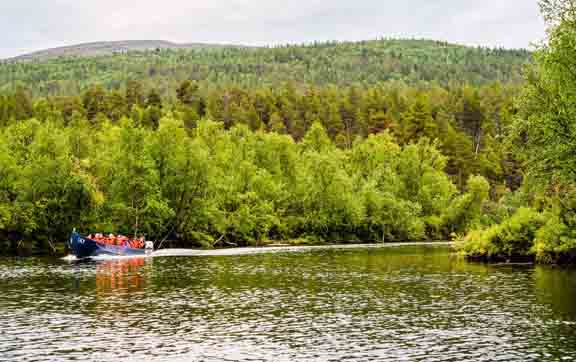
column 36, row 24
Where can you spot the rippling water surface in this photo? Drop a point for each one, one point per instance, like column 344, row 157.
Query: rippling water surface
column 412, row 302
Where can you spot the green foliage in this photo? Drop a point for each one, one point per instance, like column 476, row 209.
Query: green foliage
column 43, row 189
column 316, row 139
column 512, row 238
column 542, row 136
column 554, row 240
column 342, row 63
column 466, row 210
column 213, row 186
column 396, row 219
column 467, row 123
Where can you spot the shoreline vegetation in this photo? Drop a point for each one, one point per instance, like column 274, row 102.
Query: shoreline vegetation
column 213, row 186
column 377, row 141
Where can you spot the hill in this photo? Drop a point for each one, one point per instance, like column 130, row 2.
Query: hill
column 337, row 63
column 110, row 48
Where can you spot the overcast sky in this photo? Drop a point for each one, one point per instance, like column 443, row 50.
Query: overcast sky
column 28, row 25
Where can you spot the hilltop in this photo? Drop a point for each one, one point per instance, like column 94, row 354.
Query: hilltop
column 163, row 64
column 104, row 48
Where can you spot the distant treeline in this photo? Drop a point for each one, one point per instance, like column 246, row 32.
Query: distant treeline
column 336, row 63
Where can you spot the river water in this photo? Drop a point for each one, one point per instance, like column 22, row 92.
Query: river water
column 361, row 303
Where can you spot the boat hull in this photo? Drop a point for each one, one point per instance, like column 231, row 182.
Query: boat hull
column 83, row 247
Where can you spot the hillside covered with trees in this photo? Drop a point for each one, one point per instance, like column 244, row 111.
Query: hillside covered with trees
column 105, row 48
column 345, row 63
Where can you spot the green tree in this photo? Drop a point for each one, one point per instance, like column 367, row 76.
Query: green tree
column 466, row 210
column 94, row 101
column 187, row 92
column 546, row 127
column 153, row 99
column 134, row 94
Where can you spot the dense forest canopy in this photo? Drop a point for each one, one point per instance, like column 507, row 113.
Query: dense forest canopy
column 468, row 122
column 336, row 63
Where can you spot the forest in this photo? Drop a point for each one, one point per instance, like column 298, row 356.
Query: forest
column 328, row 63
column 375, row 141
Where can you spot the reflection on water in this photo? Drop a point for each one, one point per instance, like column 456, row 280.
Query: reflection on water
column 556, row 287
column 121, row 276
column 310, row 304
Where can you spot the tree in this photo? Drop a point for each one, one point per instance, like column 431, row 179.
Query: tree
column 94, row 100
column 466, row 209
column 8, row 181
column 151, row 117
column 277, row 123
column 186, row 92
column 545, row 130
column 418, row 122
column 131, row 184
column 116, row 105
column 23, row 108
column 134, row 94
column 153, row 99
column 543, row 137
column 316, row 139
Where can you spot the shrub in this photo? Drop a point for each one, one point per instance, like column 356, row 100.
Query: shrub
column 513, row 237
column 555, row 241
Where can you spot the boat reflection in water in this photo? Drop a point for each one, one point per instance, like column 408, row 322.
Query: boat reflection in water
column 121, row 276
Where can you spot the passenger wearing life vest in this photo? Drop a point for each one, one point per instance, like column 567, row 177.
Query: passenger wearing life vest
column 122, row 240
column 119, row 240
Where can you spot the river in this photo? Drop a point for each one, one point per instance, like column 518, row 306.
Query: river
column 355, row 303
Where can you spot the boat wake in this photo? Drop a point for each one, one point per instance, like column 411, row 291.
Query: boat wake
column 247, row 251
column 69, row 257
column 283, row 249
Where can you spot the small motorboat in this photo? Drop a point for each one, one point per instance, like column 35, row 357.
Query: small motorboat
column 83, row 247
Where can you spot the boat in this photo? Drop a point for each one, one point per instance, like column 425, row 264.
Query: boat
column 83, row 247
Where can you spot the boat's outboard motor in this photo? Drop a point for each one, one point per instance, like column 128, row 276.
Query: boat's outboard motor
column 149, row 246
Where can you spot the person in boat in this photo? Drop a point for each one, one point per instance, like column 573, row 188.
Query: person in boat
column 122, row 240
column 119, row 240
column 101, row 239
column 137, row 243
